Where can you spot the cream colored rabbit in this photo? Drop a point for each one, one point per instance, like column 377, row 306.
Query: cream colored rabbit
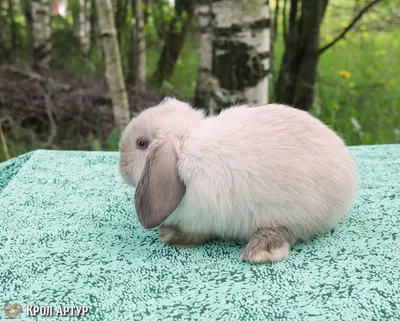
column 270, row 176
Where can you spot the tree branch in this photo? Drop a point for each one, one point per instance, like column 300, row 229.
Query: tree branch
column 34, row 76
column 49, row 105
column 3, row 141
column 346, row 30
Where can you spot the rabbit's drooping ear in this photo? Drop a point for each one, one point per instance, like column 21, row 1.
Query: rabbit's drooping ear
column 160, row 188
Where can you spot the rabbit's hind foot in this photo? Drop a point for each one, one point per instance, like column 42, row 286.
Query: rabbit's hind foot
column 267, row 245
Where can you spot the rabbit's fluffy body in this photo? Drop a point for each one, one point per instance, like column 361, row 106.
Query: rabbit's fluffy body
column 247, row 168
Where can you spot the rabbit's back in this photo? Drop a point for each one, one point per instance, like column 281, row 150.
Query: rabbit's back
column 264, row 166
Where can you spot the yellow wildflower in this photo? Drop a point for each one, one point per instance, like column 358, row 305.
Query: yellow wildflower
column 344, row 73
column 345, row 24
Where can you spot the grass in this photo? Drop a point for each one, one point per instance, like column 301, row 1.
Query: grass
column 363, row 105
column 357, row 93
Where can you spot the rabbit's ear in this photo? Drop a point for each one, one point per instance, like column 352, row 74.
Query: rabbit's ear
column 160, row 188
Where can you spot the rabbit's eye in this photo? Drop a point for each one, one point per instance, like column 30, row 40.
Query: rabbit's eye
column 142, row 143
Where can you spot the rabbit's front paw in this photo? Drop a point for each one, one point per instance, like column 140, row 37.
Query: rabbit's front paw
column 174, row 236
column 267, row 245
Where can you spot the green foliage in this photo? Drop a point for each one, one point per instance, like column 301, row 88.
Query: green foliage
column 160, row 15
column 112, row 140
column 357, row 93
column 96, row 145
column 19, row 141
column 183, row 82
column 67, row 54
column 110, row 144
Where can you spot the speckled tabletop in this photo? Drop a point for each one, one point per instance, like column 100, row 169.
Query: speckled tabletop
column 69, row 236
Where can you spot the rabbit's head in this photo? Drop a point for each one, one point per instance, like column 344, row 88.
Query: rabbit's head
column 149, row 150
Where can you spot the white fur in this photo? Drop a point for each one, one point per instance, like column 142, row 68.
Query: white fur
column 249, row 168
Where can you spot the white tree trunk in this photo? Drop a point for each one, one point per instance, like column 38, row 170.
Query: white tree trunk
column 41, row 34
column 114, row 75
column 84, row 24
column 240, row 48
column 205, row 79
column 138, row 68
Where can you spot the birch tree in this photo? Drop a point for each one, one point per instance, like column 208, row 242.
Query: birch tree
column 205, row 79
column 114, row 75
column 81, row 13
column 84, row 25
column 41, row 34
column 137, row 70
column 234, row 49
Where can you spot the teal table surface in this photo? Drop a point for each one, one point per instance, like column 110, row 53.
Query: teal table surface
column 69, row 237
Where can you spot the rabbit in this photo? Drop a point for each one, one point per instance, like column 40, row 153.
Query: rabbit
column 269, row 176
